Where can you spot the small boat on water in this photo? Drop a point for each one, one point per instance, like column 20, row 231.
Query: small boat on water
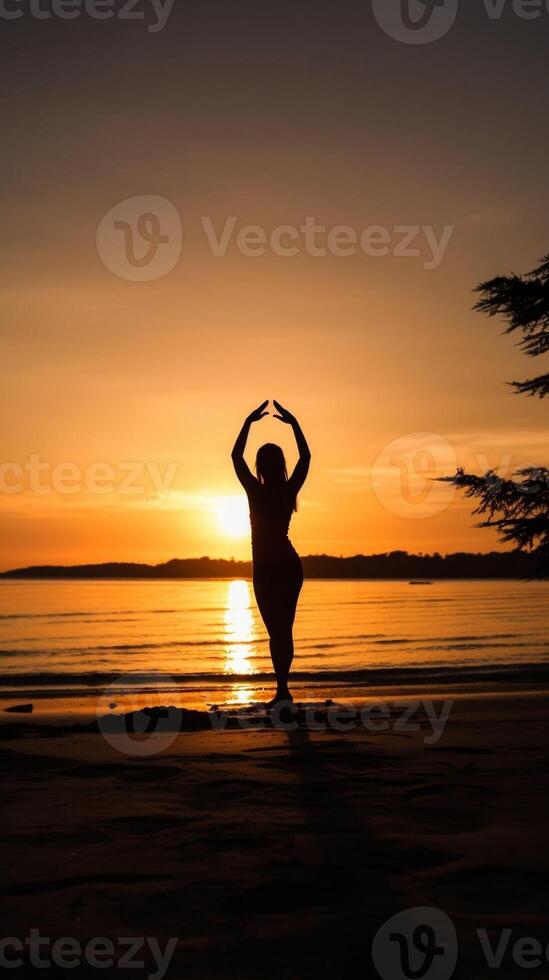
column 419, row 581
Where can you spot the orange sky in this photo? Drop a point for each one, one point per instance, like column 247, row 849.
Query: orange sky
column 365, row 350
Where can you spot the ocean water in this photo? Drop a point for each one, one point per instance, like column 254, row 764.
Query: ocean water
column 198, row 641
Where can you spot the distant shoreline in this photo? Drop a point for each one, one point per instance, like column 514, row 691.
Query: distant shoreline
column 396, row 565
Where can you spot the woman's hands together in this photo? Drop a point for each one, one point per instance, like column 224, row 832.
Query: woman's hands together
column 283, row 414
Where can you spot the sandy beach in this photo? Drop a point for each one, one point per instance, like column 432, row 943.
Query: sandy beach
column 276, row 853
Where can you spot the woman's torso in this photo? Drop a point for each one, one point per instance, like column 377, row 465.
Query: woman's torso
column 270, row 516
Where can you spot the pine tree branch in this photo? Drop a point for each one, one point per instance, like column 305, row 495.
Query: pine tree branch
column 535, row 387
column 523, row 302
column 518, row 508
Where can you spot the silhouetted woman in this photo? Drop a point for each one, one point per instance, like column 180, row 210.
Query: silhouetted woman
column 277, row 570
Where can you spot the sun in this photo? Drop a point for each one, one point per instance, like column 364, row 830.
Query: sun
column 233, row 516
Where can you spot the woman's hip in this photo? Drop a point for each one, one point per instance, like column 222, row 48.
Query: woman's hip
column 285, row 574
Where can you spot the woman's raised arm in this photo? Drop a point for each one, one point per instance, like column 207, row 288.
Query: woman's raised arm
column 241, row 468
column 301, row 470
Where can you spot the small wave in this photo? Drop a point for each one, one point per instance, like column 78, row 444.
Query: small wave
column 479, row 646
column 223, row 642
column 66, row 615
column 366, row 677
column 116, row 613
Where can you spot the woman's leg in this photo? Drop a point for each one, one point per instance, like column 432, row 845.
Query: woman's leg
column 277, row 589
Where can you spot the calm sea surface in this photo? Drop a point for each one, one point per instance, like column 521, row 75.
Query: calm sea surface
column 62, row 641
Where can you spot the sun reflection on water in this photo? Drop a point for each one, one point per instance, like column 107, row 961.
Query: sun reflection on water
column 239, row 636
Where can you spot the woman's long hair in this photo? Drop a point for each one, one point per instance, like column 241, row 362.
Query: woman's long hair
column 270, row 466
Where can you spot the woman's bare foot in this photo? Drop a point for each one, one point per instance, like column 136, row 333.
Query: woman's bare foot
column 281, row 697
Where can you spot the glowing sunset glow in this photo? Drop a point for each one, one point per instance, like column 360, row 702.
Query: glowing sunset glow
column 115, row 378
column 233, row 516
